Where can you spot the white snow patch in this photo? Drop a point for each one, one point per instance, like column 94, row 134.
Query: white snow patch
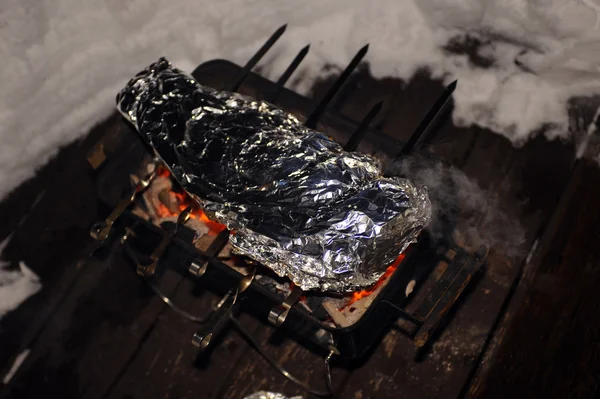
column 15, row 366
column 63, row 62
column 410, row 288
column 15, row 285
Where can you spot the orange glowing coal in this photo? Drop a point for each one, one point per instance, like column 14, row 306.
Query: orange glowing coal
column 184, row 200
column 388, row 272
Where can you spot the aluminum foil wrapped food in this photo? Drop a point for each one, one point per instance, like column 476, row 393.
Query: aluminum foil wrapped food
column 296, row 201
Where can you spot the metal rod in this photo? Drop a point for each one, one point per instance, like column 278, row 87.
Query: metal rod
column 213, row 250
column 197, row 269
column 361, row 130
column 149, row 269
column 332, row 351
column 429, row 121
column 207, row 333
column 184, row 313
column 288, row 73
column 257, row 346
column 412, row 318
column 256, row 57
column 279, row 313
column 101, row 230
column 312, row 120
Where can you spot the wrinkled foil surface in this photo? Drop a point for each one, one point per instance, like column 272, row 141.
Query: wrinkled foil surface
column 270, row 395
column 297, row 202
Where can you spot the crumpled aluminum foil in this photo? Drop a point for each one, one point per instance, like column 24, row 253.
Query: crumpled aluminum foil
column 295, row 200
column 270, row 395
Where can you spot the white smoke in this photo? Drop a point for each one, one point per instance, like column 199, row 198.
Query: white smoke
column 461, row 209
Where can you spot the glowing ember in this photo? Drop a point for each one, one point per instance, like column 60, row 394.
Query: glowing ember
column 388, row 272
column 184, row 200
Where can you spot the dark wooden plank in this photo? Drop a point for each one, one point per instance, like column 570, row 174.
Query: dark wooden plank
column 96, row 330
column 51, row 235
column 489, row 160
column 398, row 369
column 168, row 364
column 539, row 174
column 551, row 345
column 31, row 318
column 366, row 92
column 253, row 373
column 451, row 143
column 409, row 105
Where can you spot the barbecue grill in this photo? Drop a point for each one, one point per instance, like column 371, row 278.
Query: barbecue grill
column 155, row 249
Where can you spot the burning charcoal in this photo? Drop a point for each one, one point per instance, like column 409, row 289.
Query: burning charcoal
column 315, row 305
column 169, row 200
column 152, row 198
column 297, row 202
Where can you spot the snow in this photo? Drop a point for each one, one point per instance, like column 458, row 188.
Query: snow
column 64, row 61
column 15, row 285
column 15, row 366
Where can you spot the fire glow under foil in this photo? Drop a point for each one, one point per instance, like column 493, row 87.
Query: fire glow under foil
column 297, row 202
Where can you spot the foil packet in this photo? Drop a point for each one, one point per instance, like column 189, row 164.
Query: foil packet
column 294, row 200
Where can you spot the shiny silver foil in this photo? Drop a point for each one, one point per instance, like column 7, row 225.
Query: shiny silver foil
column 270, row 395
column 294, row 199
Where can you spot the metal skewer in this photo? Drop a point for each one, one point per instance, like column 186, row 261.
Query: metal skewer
column 203, row 337
column 213, row 250
column 101, row 230
column 287, row 74
column 279, row 313
column 361, row 130
column 149, row 269
column 256, row 57
column 196, row 269
column 429, row 121
column 312, row 120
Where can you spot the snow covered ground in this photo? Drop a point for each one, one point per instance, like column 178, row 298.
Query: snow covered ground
column 64, row 61
column 15, row 285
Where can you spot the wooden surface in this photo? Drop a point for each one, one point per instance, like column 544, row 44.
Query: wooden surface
column 96, row 331
column 550, row 348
